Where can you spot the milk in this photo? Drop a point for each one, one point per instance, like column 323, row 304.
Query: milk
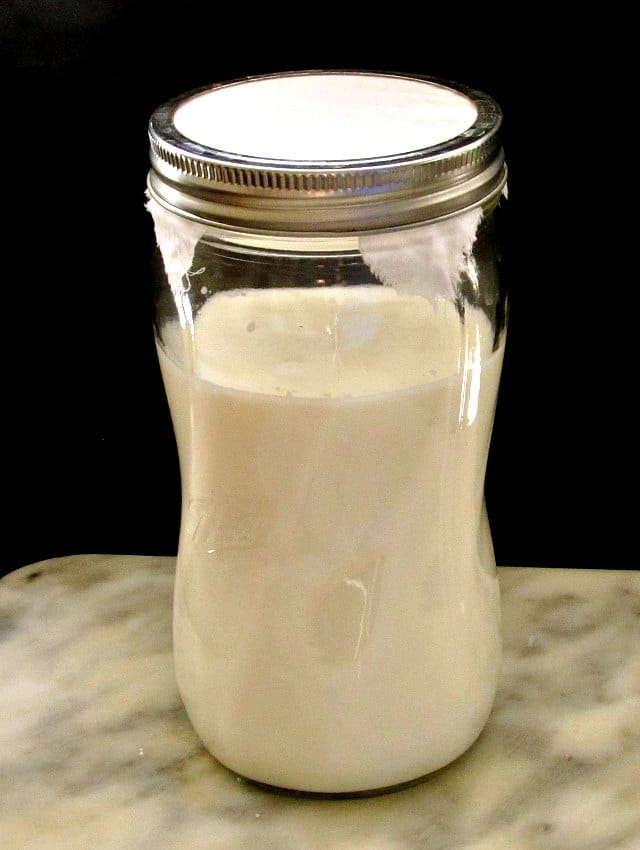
column 336, row 617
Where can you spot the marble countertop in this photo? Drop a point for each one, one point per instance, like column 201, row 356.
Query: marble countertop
column 96, row 750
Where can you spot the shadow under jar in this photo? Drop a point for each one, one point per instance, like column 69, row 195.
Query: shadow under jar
column 330, row 325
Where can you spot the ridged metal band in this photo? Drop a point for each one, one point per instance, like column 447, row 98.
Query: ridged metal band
column 352, row 195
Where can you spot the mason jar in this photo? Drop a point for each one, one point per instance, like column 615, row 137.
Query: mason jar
column 330, row 325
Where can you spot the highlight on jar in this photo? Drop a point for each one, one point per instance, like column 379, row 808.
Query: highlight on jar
column 330, row 322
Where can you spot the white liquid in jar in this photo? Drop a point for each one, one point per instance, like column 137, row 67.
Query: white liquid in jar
column 336, row 614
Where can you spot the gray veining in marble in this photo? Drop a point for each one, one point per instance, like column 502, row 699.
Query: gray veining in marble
column 97, row 752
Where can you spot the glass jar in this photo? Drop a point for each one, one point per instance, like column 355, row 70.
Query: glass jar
column 330, row 325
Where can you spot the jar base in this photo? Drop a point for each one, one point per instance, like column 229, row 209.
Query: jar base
column 338, row 795
column 352, row 795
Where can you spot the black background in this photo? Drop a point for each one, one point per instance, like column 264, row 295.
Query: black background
column 88, row 458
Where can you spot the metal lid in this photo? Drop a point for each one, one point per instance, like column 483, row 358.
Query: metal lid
column 326, row 152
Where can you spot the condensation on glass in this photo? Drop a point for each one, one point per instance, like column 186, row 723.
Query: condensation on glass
column 330, row 325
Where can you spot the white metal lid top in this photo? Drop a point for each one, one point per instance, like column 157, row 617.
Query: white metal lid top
column 325, row 118
column 325, row 151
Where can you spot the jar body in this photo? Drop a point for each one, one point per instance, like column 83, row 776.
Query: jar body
column 336, row 610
